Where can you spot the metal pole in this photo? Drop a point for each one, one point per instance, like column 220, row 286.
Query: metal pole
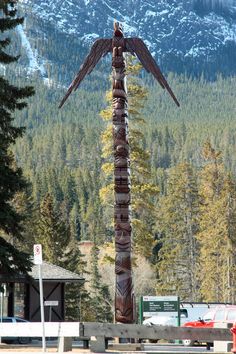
column 141, row 310
column 179, row 318
column 50, row 313
column 42, row 309
column 1, row 306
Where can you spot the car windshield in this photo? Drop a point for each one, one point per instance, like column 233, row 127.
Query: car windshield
column 208, row 316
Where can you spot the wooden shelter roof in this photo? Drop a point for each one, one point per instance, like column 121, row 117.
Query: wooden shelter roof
column 50, row 273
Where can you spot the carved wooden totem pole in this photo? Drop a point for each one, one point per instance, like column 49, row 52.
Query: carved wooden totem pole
column 118, row 45
column 122, row 217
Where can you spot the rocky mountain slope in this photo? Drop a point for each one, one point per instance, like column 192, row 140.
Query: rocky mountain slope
column 191, row 36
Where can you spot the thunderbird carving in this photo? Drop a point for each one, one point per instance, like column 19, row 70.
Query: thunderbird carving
column 102, row 47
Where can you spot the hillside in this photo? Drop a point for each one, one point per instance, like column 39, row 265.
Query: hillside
column 185, row 36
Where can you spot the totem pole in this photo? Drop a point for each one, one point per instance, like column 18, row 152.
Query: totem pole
column 118, row 45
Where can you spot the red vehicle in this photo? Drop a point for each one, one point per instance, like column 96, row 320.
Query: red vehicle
column 219, row 314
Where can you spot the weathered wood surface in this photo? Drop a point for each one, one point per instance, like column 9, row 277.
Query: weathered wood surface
column 122, row 184
column 156, row 332
column 89, row 329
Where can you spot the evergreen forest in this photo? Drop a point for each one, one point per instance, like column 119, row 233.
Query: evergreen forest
column 183, row 172
column 190, row 153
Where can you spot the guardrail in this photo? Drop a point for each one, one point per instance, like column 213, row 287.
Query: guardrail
column 98, row 332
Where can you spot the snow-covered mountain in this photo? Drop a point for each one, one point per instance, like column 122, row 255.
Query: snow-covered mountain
column 184, row 35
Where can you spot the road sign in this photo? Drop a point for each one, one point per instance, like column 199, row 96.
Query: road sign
column 51, row 303
column 38, row 258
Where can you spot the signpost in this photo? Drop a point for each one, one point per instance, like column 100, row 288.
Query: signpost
column 159, row 305
column 3, row 293
column 38, row 260
column 51, row 303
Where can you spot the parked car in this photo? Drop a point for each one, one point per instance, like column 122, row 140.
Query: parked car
column 20, row 340
column 219, row 314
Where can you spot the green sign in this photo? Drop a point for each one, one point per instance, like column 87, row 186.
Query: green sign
column 159, row 305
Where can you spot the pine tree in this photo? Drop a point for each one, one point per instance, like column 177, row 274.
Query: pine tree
column 217, row 229
column 74, row 221
column 24, row 205
column 52, row 231
column 77, row 298
column 12, row 260
column 177, row 224
column 11, row 178
column 62, row 249
column 100, row 296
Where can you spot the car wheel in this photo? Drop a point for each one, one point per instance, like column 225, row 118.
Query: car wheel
column 24, row 340
column 188, row 342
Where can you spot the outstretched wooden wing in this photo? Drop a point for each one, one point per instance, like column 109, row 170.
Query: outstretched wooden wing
column 138, row 47
column 100, row 48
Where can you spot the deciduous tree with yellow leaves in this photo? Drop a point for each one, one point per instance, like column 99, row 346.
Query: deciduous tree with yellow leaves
column 217, row 236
